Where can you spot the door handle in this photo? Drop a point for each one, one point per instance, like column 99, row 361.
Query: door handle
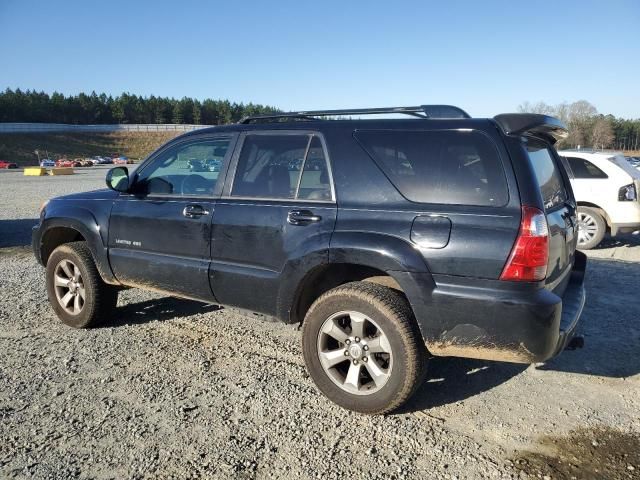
column 194, row 211
column 302, row 217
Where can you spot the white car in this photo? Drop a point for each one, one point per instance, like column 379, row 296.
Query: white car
column 606, row 188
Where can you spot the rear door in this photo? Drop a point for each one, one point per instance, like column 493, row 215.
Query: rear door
column 560, row 211
column 275, row 217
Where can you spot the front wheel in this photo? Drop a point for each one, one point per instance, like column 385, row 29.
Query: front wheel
column 76, row 291
column 362, row 347
column 591, row 228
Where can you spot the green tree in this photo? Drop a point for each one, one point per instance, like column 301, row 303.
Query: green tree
column 197, row 113
column 178, row 116
column 32, row 106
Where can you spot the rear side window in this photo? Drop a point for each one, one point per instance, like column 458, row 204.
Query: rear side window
column 582, row 168
column 314, row 181
column 439, row 166
column 548, row 176
column 282, row 167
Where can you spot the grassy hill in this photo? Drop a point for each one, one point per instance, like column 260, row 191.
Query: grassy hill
column 19, row 148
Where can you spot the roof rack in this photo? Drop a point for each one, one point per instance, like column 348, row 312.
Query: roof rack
column 421, row 111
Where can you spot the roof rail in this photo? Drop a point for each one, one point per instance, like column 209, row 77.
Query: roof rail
column 421, row 111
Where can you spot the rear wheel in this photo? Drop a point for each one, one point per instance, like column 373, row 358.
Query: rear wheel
column 591, row 228
column 362, row 347
column 76, row 291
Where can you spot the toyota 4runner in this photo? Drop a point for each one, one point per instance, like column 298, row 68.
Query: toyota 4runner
column 388, row 240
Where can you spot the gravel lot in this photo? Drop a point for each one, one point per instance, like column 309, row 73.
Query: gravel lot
column 176, row 389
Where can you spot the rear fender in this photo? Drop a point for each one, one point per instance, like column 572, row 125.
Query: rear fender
column 400, row 260
column 384, row 252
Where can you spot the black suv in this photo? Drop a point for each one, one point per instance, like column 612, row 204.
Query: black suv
column 387, row 240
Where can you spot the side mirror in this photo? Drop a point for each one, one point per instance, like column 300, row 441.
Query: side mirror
column 118, row 179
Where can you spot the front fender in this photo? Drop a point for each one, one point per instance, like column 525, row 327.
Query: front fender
column 62, row 214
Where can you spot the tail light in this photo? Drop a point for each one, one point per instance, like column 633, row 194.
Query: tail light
column 530, row 254
column 627, row 193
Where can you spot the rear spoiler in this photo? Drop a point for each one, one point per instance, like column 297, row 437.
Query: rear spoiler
column 549, row 128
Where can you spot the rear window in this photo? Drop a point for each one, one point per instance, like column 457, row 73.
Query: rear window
column 549, row 177
column 582, row 168
column 439, row 166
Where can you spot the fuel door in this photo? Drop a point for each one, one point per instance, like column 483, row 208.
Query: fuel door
column 431, row 231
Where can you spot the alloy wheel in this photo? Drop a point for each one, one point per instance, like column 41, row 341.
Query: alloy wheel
column 587, row 228
column 69, row 287
column 355, row 353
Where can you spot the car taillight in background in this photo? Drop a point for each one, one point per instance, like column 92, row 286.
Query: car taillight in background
column 530, row 254
column 628, row 193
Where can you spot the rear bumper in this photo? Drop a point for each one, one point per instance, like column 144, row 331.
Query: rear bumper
column 572, row 303
column 501, row 321
column 617, row 228
column 624, row 217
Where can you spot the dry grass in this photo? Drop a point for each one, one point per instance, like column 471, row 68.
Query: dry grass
column 20, row 148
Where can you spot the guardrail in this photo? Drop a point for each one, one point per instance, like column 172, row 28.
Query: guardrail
column 65, row 127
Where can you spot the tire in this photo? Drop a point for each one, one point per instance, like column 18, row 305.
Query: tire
column 379, row 313
column 591, row 228
column 99, row 299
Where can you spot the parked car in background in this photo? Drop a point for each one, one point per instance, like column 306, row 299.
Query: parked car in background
column 99, row 160
column 5, row 164
column 196, row 165
column 47, row 162
column 213, row 165
column 120, row 161
column 294, row 165
column 606, row 188
column 87, row 162
column 66, row 163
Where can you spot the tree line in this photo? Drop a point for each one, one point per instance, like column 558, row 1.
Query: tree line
column 31, row 106
column 588, row 127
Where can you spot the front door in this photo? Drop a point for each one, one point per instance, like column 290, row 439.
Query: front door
column 160, row 232
column 274, row 220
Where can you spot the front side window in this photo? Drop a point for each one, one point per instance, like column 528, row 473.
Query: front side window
column 548, row 175
column 186, row 169
column 439, row 166
column 282, row 166
column 582, row 168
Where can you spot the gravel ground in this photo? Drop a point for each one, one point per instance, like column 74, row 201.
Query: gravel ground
column 176, row 389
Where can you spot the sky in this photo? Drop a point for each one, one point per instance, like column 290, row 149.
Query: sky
column 484, row 56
